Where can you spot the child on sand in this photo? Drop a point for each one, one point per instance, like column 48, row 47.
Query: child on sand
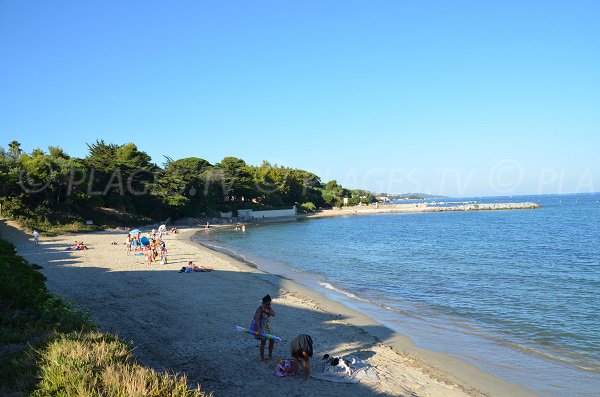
column 128, row 244
column 149, row 256
column 261, row 324
column 163, row 255
column 302, row 349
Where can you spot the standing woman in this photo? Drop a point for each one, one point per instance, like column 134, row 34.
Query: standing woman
column 261, row 325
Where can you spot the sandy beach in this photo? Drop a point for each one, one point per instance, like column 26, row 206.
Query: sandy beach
column 185, row 322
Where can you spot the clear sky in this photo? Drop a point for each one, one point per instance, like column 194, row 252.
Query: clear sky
column 445, row 97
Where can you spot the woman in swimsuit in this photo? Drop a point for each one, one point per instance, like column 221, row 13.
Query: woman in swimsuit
column 261, row 324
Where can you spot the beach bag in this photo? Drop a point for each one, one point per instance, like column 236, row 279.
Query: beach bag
column 283, row 368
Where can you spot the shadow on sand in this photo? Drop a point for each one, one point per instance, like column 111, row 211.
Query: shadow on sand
column 176, row 330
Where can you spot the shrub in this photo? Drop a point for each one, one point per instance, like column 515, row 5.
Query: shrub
column 307, row 207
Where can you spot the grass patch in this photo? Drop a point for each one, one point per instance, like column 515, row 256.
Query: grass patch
column 96, row 364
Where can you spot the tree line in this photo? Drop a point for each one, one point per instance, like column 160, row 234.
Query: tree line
column 122, row 182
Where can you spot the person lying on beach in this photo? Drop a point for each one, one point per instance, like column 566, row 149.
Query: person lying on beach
column 78, row 246
column 261, row 324
column 187, row 269
column 202, row 269
column 302, row 349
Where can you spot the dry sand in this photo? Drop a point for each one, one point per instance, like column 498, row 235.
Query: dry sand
column 184, row 322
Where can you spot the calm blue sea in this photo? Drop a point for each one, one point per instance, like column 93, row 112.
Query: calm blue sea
column 516, row 293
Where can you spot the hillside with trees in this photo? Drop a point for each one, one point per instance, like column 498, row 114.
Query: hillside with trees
column 120, row 184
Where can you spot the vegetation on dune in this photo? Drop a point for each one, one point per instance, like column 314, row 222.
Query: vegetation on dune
column 48, row 348
column 119, row 184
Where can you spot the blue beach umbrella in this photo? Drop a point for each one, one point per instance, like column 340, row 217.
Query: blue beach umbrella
column 145, row 241
column 135, row 231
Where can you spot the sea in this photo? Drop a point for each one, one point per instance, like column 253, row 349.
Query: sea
column 514, row 292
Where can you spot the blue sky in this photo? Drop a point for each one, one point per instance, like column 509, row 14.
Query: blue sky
column 446, row 97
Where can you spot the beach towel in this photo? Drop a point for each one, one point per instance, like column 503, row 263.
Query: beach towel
column 346, row 369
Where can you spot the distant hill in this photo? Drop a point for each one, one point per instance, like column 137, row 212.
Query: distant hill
column 410, row 196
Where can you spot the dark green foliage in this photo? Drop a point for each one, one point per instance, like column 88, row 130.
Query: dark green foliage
column 25, row 302
column 307, row 207
column 119, row 185
column 361, row 197
column 183, row 186
column 21, row 285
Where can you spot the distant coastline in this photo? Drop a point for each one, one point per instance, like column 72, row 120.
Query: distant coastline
column 423, row 207
column 363, row 210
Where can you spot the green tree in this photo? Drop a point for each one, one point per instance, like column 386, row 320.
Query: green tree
column 119, row 176
column 334, row 193
column 182, row 186
column 283, row 186
column 14, row 149
column 237, row 182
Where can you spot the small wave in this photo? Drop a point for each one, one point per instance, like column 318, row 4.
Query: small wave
column 341, row 291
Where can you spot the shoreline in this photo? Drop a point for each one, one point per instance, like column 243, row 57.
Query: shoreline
column 184, row 322
column 467, row 376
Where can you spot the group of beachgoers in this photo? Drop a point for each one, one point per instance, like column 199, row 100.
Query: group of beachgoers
column 153, row 248
column 301, row 345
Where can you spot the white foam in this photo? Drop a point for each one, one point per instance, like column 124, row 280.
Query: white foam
column 341, row 291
